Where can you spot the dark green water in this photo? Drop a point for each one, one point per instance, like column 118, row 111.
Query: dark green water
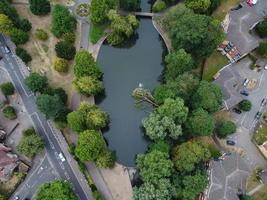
column 124, row 69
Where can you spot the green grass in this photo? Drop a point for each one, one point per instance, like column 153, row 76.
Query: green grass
column 96, row 32
column 253, row 180
column 260, row 135
column 213, row 64
column 224, row 8
column 260, row 194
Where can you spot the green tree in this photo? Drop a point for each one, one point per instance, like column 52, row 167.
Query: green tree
column 7, row 88
column 89, row 85
column 62, row 21
column 23, row 54
column 199, row 6
column 55, row 190
column 25, row 25
column 162, row 190
column 246, row 197
column 61, row 65
column 96, row 118
column 7, row 9
column 262, row 49
column 261, row 28
column 41, row 34
column 131, row 5
column 245, row 105
column 164, row 91
column 189, row 154
column 160, row 145
column 225, row 128
column 36, row 82
column 40, row 7
column 106, row 159
column 158, row 6
column 50, row 106
column 76, row 121
column 30, row 144
column 208, row 96
column 65, row 50
column 200, row 123
column 90, row 145
column 6, row 25
column 69, row 37
column 154, row 166
column 18, row 36
column 178, row 63
column 85, row 65
column 9, row 112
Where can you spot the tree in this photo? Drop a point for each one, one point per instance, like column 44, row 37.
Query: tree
column 245, row 105
column 174, row 109
column 160, row 145
column 131, row 5
column 23, row 54
column 50, row 106
column 40, row 7
column 25, row 25
column 189, row 154
column 106, row 159
column 162, row 190
column 245, row 197
column 85, row 65
column 90, row 145
column 158, row 127
column 30, row 144
column 6, row 25
column 55, row 190
column 200, row 123
column 41, row 34
column 65, row 50
column 7, row 9
column 69, row 37
column 164, row 91
column 158, row 6
column 9, row 112
column 100, row 8
column 61, row 65
column 199, row 6
column 36, row 82
column 262, row 49
column 62, row 21
column 201, row 39
column 177, row 63
column 89, row 85
column 261, row 28
column 18, row 36
column 189, row 186
column 154, row 165
column 208, row 96
column 7, row 88
column 225, row 128
column 96, row 118
column 76, row 121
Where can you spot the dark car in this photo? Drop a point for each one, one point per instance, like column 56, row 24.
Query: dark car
column 264, row 102
column 244, row 92
column 258, row 115
column 236, row 110
column 230, row 142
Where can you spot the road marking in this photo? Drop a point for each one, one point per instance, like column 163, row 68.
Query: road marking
column 28, row 95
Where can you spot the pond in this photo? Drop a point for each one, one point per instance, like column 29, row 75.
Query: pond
column 124, row 68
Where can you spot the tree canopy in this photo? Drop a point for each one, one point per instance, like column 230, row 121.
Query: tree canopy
column 7, row 88
column 199, row 6
column 225, row 128
column 36, row 82
column 55, row 190
column 131, row 5
column 245, row 105
column 88, row 85
column 40, row 7
column 261, row 28
column 6, row 25
column 65, row 50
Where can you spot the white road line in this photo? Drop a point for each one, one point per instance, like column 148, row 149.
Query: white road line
column 22, row 85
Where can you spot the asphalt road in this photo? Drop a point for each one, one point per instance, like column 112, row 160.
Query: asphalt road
column 42, row 126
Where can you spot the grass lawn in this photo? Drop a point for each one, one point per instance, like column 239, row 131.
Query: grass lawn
column 213, row 64
column 252, row 181
column 260, row 135
column 224, row 8
column 96, row 32
column 260, row 194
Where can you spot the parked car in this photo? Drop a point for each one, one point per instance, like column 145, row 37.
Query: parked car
column 264, row 102
column 16, row 198
column 258, row 115
column 245, row 83
column 230, row 142
column 251, row 2
column 244, row 92
column 7, row 50
column 265, row 66
column 61, row 157
column 236, row 110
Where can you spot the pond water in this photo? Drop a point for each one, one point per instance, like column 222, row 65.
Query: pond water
column 124, row 68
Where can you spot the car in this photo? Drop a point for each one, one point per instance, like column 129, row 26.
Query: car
column 61, row 157
column 258, row 115
column 236, row 110
column 265, row 66
column 7, row 50
column 16, row 198
column 1, row 57
column 230, row 142
column 244, row 92
column 264, row 102
column 245, row 83
column 251, row 2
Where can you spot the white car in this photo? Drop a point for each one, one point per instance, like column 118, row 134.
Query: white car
column 7, row 50
column 61, row 157
column 265, row 67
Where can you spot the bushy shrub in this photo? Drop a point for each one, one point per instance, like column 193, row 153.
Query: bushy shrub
column 7, row 88
column 19, row 37
column 225, row 128
column 9, row 112
column 261, row 28
column 245, row 105
column 41, row 34
column 25, row 25
column 65, row 50
column 262, row 49
column 40, row 7
column 61, row 65
column 69, row 37
column 158, row 6
column 23, row 54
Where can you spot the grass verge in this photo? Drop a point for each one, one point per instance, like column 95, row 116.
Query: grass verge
column 224, row 8
column 97, row 31
column 260, row 194
column 260, row 135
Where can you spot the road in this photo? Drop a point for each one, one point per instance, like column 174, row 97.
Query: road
column 66, row 170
